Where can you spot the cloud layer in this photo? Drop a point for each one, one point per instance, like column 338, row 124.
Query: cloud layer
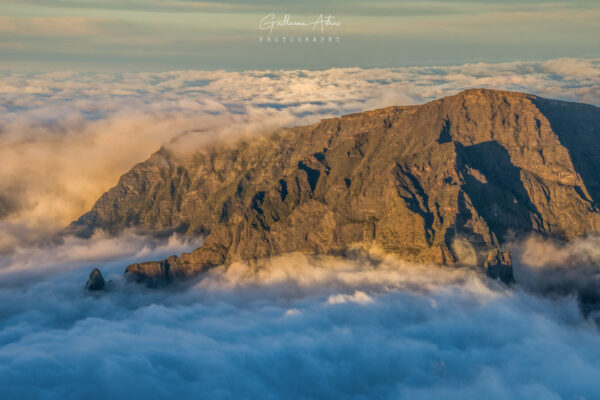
column 296, row 328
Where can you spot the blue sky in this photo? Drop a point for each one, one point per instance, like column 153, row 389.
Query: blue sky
column 159, row 35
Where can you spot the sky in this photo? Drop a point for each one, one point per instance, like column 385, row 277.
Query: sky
column 161, row 35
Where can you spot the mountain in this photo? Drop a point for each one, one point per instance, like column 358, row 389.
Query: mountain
column 451, row 181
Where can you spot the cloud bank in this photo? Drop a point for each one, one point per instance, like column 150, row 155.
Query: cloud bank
column 301, row 328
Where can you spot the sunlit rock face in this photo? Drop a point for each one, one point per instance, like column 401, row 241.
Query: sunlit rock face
column 481, row 168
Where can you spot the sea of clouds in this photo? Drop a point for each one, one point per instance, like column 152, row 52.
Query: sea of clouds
column 298, row 327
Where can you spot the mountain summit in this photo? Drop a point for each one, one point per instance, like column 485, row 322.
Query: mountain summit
column 450, row 181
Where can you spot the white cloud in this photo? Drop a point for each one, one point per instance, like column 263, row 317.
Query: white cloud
column 396, row 330
column 357, row 297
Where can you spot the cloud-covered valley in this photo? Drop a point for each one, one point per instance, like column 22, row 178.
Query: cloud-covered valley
column 361, row 327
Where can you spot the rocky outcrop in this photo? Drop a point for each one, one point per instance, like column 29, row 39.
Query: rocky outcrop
column 95, row 281
column 499, row 266
column 478, row 169
column 153, row 273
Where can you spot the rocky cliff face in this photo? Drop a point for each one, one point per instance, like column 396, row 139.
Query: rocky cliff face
column 445, row 182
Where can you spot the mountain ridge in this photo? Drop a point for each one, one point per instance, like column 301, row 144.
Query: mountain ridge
column 481, row 167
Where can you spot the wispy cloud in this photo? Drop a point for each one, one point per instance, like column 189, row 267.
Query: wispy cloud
column 382, row 7
column 63, row 26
